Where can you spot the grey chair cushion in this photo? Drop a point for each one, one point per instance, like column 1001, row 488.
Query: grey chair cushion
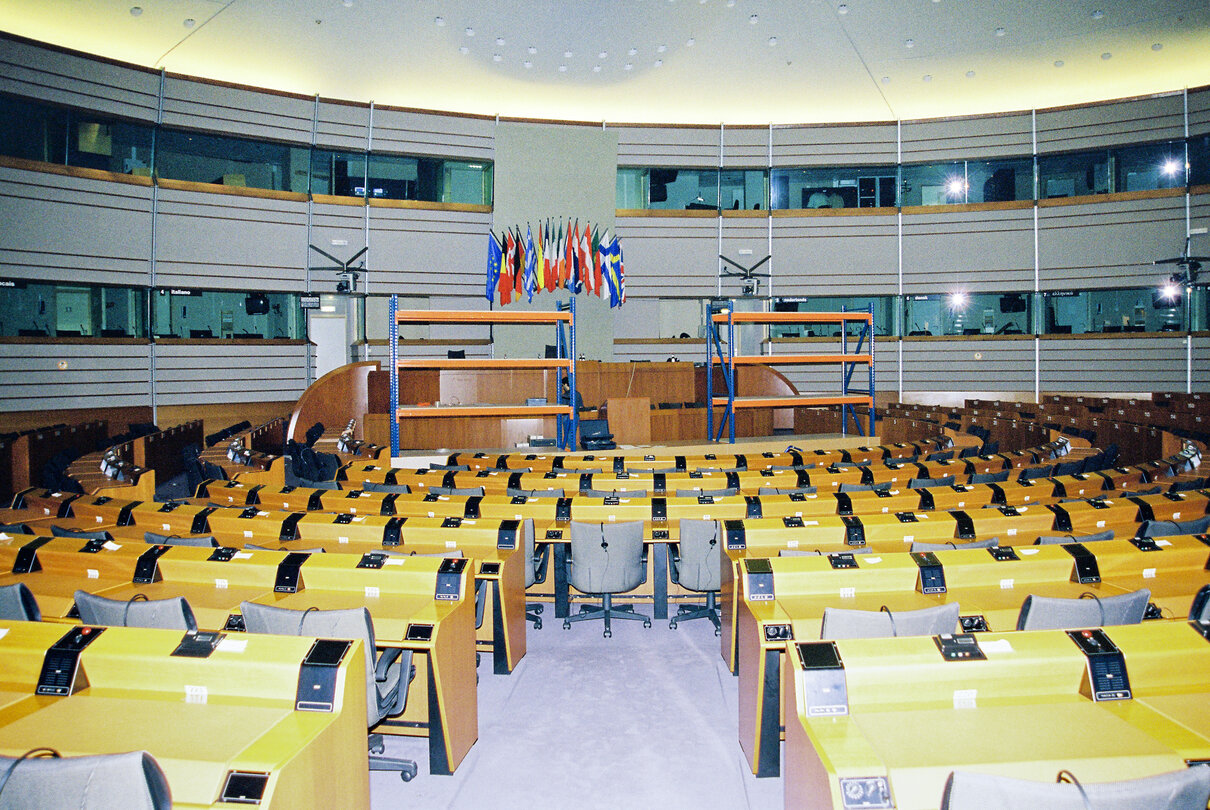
column 203, row 540
column 989, row 543
column 172, row 613
column 610, row 493
column 786, row 491
column 512, row 492
column 374, row 486
column 1186, row 789
column 798, row 552
column 885, row 486
column 312, row 550
column 607, row 557
column 58, row 531
column 14, row 528
column 989, row 477
column 922, row 483
column 1199, row 611
column 1062, row 539
column 1170, row 528
column 527, row 546
column 700, row 566
column 458, row 492
column 1054, row 613
column 843, row 623
column 713, row 493
column 128, row 781
column 17, row 603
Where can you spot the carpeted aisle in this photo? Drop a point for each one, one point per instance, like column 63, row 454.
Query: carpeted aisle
column 647, row 718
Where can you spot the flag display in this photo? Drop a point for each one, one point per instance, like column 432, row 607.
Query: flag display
column 561, row 255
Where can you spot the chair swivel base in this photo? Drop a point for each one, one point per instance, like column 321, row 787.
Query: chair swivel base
column 606, row 611
column 406, row 767
column 533, row 613
column 707, row 611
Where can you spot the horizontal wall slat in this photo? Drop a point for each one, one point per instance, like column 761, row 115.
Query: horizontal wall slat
column 967, row 138
column 433, row 134
column 1090, row 365
column 74, row 81
column 834, row 255
column 976, row 251
column 95, row 375
column 839, row 145
column 976, row 365
column 668, row 146
column 1111, row 124
column 342, row 126
column 670, row 254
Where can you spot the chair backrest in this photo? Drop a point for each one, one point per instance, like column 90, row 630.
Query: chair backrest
column 172, row 613
column 886, row 486
column 58, row 531
column 1030, row 473
column 921, row 483
column 917, row 545
column 202, row 540
column 700, row 566
column 129, row 781
column 940, row 455
column 786, row 491
column 713, row 493
column 1056, row 613
column 1069, row 467
column 989, row 477
column 609, row 493
column 530, row 551
column 353, row 624
column 1062, row 539
column 374, row 486
column 842, row 623
column 17, row 603
column 512, row 492
column 14, row 528
column 607, row 557
column 459, row 492
column 1199, row 611
column 1169, row 528
column 1186, row 789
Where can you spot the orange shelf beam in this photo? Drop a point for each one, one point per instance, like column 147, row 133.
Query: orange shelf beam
column 481, row 410
column 499, row 316
column 777, row 359
column 789, row 402
column 456, row 363
column 793, row 317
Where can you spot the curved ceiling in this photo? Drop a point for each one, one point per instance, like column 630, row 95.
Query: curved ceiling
column 682, row 61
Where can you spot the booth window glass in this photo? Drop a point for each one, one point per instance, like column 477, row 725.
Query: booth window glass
column 834, row 187
column 1004, row 180
column 669, row 189
column 207, row 314
column 1149, row 166
column 1140, row 309
column 227, row 161
column 743, row 189
column 934, row 183
column 1143, row 167
column 968, row 314
column 48, row 309
column 47, row 134
column 339, row 174
column 884, row 307
column 1199, row 160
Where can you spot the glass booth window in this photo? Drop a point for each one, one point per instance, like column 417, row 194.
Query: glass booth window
column 47, row 134
column 206, row 314
column 883, row 305
column 1106, row 171
column 338, row 174
column 968, row 181
column 838, row 187
column 37, row 309
column 1149, row 166
column 670, row 189
column 1140, row 309
column 742, row 189
column 968, row 314
column 1199, row 160
column 227, row 161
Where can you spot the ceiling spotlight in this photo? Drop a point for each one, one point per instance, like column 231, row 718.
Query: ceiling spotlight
column 1171, row 167
column 190, row 22
column 1159, row 46
column 970, row 74
column 886, row 79
column 532, row 50
column 136, row 11
column 500, row 41
column 730, row 3
column 1098, row 14
column 562, row 68
column 497, row 57
column 772, row 41
column 957, row 300
column 464, row 49
column 1059, row 63
column 596, row 68
column 753, row 20
column 928, row 77
column 439, row 21
column 689, row 43
column 1000, row 32
column 661, row 48
column 628, row 66
column 470, row 32
column 527, row 64
column 567, row 54
column 1107, row 55
column 659, row 63
column 347, row 3
column 603, row 55
column 842, row 9
column 632, row 51
column 909, row 43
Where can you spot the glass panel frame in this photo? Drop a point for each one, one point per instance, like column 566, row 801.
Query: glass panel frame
column 969, row 314
column 51, row 309
column 226, row 314
column 802, row 188
column 1110, row 311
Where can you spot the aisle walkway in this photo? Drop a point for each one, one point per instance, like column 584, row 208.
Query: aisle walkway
column 647, row 718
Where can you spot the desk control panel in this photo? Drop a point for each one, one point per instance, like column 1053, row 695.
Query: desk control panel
column 1085, row 571
column 759, row 573
column 822, row 679
column 959, row 647
column 931, row 578
column 317, row 675
column 61, row 665
column 449, row 579
column 1107, row 678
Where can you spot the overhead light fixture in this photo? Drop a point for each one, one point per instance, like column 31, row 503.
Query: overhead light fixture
column 956, row 186
column 567, row 54
column 562, row 68
column 1059, row 63
column 689, row 43
column 1171, row 167
column 628, row 66
column 957, row 300
column 1107, row 55
column 136, row 11
column 532, row 50
column 189, row 23
column 632, row 51
column 772, row 41
column 497, row 57
column 1001, row 32
column 659, row 63
column 464, row 50
column 753, row 20
column 603, row 55
column 886, row 79
column 928, row 77
column 470, row 32
column 842, row 9
column 1159, row 46
column 500, row 41
column 1098, row 14
column 439, row 21
column 909, row 43
column 970, row 74
column 527, row 64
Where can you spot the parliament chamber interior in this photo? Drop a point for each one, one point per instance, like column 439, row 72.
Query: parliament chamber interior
column 382, row 423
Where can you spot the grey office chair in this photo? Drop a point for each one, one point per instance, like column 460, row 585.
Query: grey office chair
column 885, row 487
column 798, row 552
column 312, row 550
column 1063, row 539
column 458, row 492
column 610, row 493
column 1199, row 611
column 173, row 613
column 1033, row 473
column 1186, row 789
column 202, row 540
column 786, row 491
column 387, row 677
column 14, row 528
column 1169, row 528
column 843, row 623
column 374, row 486
column 922, row 483
column 713, row 493
column 606, row 558
column 129, row 781
column 536, row 561
column 989, row 477
column 696, row 563
column 917, row 545
column 513, row 492
column 59, row 531
column 17, row 603
column 1055, row 613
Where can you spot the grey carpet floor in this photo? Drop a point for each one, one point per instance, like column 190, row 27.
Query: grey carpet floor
column 647, row 718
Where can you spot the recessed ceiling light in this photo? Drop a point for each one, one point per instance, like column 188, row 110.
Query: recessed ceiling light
column 567, row 54
column 970, row 74
column 603, row 55
column 136, row 11
column 1107, row 55
column 772, row 41
column 689, row 43
column 439, row 21
column 596, row 68
column 562, row 68
column 347, row 3
column 661, row 48
column 497, row 57
column 470, row 32
column 659, row 63
column 499, row 40
column 528, row 64
column 1157, row 46
column 629, row 66
column 909, row 43
column 842, row 9
column 464, row 49
column 632, row 51
column 1000, row 32
column 730, row 3
column 927, row 77
column 886, row 79
column 1059, row 63
column 754, row 19
column 190, row 22
column 532, row 50
column 1098, row 14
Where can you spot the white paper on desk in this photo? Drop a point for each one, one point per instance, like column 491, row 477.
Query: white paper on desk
column 1000, row 645
column 342, row 540
column 232, row 645
column 1007, row 584
column 848, row 593
column 221, row 584
column 372, row 591
column 110, row 546
column 359, row 519
column 1148, row 573
column 242, row 555
column 451, row 544
column 94, row 573
column 965, row 698
column 4, row 536
column 262, row 514
column 100, row 519
column 393, row 561
column 791, row 544
column 3, row 632
column 870, row 560
column 166, row 527
column 1027, row 551
column 1163, row 542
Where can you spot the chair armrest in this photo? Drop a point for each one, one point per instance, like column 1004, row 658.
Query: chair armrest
column 541, row 561
column 392, row 651
column 387, row 657
column 674, row 561
column 480, row 602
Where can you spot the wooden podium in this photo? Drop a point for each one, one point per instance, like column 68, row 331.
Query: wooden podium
column 629, row 419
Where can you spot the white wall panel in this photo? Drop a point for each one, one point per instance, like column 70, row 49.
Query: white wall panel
column 342, row 125
column 968, row 365
column 417, row 133
column 984, row 136
column 835, row 255
column 1113, row 364
column 668, row 146
column 834, row 145
column 222, row 372
column 670, row 255
column 96, row 375
column 421, row 251
column 977, row 251
column 1111, row 124
column 193, row 104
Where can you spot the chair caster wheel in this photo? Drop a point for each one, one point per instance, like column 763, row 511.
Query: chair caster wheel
column 538, row 610
column 566, row 625
column 378, row 749
column 538, row 624
column 608, row 634
column 647, row 622
column 407, row 776
column 718, row 632
column 672, row 625
column 478, row 658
